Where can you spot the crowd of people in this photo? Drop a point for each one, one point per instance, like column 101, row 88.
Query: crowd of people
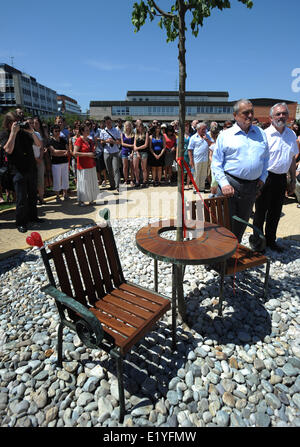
column 106, row 154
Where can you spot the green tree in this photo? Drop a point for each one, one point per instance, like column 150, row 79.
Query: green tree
column 174, row 23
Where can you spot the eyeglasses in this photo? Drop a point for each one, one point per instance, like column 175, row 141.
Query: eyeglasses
column 281, row 113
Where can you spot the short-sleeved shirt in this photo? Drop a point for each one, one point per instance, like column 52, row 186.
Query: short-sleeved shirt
column 22, row 157
column 106, row 134
column 61, row 146
column 282, row 148
column 199, row 147
column 85, row 146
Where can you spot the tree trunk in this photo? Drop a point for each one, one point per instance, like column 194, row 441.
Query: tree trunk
column 180, row 142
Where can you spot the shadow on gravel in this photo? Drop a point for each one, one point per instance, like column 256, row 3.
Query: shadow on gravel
column 151, row 364
column 16, row 260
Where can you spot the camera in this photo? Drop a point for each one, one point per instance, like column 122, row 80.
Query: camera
column 23, row 125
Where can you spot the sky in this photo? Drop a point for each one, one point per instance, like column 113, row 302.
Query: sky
column 90, row 52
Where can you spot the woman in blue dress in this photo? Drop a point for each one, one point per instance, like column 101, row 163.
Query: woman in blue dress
column 157, row 150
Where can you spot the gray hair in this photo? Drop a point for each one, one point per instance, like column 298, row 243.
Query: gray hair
column 279, row 104
column 203, row 124
column 237, row 105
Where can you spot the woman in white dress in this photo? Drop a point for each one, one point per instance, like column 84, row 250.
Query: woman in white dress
column 87, row 181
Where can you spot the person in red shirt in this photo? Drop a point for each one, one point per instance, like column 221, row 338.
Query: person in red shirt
column 87, row 181
column 170, row 144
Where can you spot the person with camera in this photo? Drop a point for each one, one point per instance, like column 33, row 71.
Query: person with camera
column 17, row 139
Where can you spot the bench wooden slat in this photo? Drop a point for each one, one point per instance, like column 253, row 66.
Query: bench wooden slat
column 113, row 323
column 216, row 210
column 148, row 324
column 143, row 293
column 119, row 312
column 61, row 271
column 74, row 272
column 102, row 259
column 84, row 269
column 92, row 261
column 220, row 215
column 111, row 255
column 140, row 302
column 120, row 340
column 134, row 309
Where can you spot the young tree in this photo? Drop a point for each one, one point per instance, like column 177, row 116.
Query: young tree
column 174, row 23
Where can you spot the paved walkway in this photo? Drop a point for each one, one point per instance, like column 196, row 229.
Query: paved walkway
column 130, row 203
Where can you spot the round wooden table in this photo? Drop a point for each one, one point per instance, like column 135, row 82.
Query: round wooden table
column 214, row 246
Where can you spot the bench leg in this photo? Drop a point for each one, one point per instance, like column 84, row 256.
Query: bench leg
column 174, row 304
column 178, row 278
column 59, row 344
column 119, row 363
column 155, row 275
column 222, row 274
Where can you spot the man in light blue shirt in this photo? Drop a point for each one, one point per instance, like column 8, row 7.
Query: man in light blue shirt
column 110, row 138
column 198, row 154
column 239, row 163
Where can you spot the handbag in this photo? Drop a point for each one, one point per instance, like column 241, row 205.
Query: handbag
column 6, row 180
column 3, row 170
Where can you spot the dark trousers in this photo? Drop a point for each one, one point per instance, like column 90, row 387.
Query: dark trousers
column 268, row 205
column 25, row 184
column 112, row 163
column 241, row 203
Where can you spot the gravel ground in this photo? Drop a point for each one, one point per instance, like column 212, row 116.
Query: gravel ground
column 241, row 369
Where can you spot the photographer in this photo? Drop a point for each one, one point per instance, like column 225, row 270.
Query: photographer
column 17, row 139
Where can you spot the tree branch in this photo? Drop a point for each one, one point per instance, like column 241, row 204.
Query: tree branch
column 163, row 13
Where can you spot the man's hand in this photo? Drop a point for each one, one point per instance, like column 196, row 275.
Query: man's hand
column 260, row 184
column 15, row 127
column 291, row 187
column 228, row 191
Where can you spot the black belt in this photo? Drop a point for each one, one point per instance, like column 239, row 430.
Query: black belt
column 241, row 180
column 274, row 173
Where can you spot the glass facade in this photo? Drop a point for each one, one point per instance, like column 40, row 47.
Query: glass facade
column 7, row 90
column 162, row 98
column 24, row 89
column 168, row 110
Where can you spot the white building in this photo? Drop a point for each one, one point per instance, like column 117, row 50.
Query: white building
column 68, row 105
column 19, row 89
column 163, row 105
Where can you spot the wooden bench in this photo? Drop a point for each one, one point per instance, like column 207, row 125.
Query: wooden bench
column 216, row 211
column 94, row 298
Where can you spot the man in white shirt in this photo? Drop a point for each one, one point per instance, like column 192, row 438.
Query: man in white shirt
column 198, row 155
column 282, row 159
column 110, row 138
